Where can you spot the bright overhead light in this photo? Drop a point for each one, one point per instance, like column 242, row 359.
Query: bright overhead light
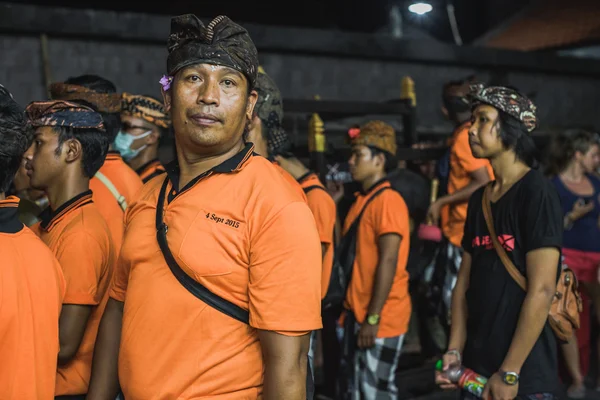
column 420, row 8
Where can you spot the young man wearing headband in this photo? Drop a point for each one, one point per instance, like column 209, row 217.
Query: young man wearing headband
column 69, row 146
column 498, row 329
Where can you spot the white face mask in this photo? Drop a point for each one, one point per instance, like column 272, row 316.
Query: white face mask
column 123, row 143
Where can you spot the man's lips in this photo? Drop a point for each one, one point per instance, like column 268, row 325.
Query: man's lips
column 204, row 119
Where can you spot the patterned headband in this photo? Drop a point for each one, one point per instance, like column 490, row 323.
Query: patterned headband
column 63, row 113
column 104, row 102
column 146, row 108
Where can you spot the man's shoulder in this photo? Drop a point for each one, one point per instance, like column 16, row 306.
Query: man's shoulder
column 536, row 184
column 125, row 179
column 272, row 180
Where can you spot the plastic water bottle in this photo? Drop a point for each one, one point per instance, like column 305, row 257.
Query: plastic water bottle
column 464, row 378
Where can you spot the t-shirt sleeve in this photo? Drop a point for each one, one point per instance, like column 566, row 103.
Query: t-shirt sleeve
column 389, row 214
column 84, row 263
column 284, row 290
column 464, row 154
column 120, row 279
column 323, row 209
column 543, row 219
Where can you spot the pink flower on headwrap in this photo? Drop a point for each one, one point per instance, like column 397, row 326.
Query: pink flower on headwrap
column 165, row 81
column 353, row 132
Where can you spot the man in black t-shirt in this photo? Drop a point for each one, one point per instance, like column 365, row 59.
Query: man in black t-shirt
column 498, row 330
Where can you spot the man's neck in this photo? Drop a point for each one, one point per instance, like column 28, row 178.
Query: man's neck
column 508, row 169
column 190, row 166
column 62, row 192
column 145, row 156
column 2, row 196
column 370, row 181
column 574, row 172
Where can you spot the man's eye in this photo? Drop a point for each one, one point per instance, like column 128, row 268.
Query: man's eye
column 194, row 78
column 229, row 82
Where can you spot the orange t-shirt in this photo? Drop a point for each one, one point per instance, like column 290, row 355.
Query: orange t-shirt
column 127, row 182
column 324, row 210
column 248, row 237
column 290, row 179
column 462, row 164
column 150, row 170
column 79, row 238
column 386, row 214
column 32, row 287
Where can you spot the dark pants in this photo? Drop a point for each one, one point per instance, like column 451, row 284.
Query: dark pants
column 331, row 354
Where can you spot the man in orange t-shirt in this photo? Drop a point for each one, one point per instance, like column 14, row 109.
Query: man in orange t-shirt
column 115, row 184
column 232, row 225
column 377, row 300
column 266, row 131
column 68, row 148
column 466, row 174
column 32, row 285
column 144, row 121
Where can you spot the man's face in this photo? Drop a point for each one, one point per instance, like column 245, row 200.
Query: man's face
column 484, row 137
column 210, row 107
column 138, row 126
column 44, row 163
column 363, row 164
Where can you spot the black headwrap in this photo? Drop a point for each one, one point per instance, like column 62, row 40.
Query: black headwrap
column 221, row 42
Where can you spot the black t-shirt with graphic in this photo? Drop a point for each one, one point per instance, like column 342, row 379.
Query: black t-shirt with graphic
column 526, row 218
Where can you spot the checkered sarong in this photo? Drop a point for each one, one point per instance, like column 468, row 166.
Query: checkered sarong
column 372, row 375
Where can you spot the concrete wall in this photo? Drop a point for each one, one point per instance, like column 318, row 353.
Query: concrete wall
column 563, row 99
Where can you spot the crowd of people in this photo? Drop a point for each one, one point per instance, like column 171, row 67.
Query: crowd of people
column 229, row 272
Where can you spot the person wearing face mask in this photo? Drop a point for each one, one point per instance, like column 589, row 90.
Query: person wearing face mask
column 144, row 120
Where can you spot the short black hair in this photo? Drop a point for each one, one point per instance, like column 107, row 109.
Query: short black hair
column 390, row 160
column 94, row 146
column 514, row 136
column 112, row 121
column 15, row 137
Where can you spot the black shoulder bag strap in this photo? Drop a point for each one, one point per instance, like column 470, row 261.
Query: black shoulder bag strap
column 192, row 286
column 310, row 188
column 197, row 289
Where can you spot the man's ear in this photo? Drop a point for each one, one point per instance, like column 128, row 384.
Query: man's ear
column 72, row 150
column 167, row 97
column 153, row 137
column 252, row 99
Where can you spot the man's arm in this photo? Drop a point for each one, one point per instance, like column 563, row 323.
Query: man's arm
column 104, row 382
column 71, row 328
column 388, row 246
column 285, row 359
column 458, row 327
column 479, row 178
column 542, row 267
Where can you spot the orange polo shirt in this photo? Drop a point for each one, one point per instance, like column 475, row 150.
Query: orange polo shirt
column 150, row 170
column 386, row 214
column 32, row 287
column 290, row 180
column 324, row 210
column 248, row 237
column 462, row 164
column 127, row 182
column 79, row 238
